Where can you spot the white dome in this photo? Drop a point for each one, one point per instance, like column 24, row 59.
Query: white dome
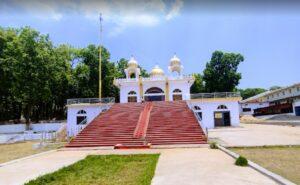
column 175, row 64
column 132, row 62
column 157, row 71
column 175, row 60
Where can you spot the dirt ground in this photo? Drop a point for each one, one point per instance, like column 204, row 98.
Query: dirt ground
column 22, row 149
column 284, row 161
column 256, row 135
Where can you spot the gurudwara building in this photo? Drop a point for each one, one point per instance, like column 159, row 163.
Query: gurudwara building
column 154, row 110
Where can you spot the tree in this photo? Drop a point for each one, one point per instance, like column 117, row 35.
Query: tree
column 198, row 86
column 36, row 77
column 220, row 74
column 274, row 87
column 249, row 92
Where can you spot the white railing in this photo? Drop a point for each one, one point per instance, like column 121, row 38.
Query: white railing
column 120, row 80
column 90, row 100
column 155, row 78
column 215, row 95
column 181, row 77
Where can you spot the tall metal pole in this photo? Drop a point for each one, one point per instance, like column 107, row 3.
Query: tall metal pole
column 100, row 59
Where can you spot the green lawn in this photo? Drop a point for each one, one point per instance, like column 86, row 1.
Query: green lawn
column 104, row 170
column 284, row 161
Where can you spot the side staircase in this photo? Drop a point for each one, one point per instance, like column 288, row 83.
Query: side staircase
column 113, row 127
column 135, row 125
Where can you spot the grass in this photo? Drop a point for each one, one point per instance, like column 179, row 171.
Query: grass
column 22, row 149
column 104, row 170
column 282, row 160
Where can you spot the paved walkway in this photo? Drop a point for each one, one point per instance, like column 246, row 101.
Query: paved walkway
column 203, row 166
column 175, row 166
column 256, row 135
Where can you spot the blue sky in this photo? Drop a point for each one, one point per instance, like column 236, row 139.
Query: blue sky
column 152, row 30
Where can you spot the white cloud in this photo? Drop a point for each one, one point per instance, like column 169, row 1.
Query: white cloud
column 175, row 9
column 121, row 14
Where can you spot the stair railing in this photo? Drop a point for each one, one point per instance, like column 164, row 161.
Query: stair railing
column 143, row 122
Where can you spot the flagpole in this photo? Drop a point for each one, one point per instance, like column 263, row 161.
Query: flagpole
column 100, row 59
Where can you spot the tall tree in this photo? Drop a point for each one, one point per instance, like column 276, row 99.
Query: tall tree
column 198, row 86
column 220, row 74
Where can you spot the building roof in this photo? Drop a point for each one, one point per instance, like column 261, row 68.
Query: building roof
column 255, row 99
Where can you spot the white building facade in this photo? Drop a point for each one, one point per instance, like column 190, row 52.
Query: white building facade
column 157, row 87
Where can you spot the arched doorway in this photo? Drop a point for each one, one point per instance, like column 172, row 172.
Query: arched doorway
column 177, row 95
column 81, row 117
column 132, row 97
column 154, row 94
column 222, row 116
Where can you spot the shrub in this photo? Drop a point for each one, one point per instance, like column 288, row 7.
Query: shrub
column 213, row 145
column 241, row 161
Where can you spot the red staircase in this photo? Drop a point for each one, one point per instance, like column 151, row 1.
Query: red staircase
column 114, row 127
column 173, row 123
column 129, row 125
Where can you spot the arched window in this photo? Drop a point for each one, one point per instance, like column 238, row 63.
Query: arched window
column 177, row 91
column 198, row 111
column 154, row 94
column 81, row 112
column 177, row 95
column 132, row 97
column 197, row 107
column 132, row 93
column 222, row 107
column 132, row 75
column 81, row 117
column 154, row 90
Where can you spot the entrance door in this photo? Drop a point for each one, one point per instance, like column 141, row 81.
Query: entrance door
column 297, row 111
column 222, row 118
column 154, row 94
column 226, row 118
column 155, row 98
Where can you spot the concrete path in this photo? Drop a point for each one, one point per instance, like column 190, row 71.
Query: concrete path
column 203, row 166
column 256, row 135
column 175, row 166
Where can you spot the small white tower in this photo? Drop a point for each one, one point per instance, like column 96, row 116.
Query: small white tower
column 132, row 68
column 175, row 65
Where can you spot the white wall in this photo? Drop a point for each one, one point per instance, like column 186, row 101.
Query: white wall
column 183, row 86
column 91, row 112
column 36, row 127
column 125, row 89
column 252, row 106
column 208, row 109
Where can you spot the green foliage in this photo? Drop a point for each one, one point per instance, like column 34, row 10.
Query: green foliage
column 249, row 92
column 198, row 86
column 36, row 77
column 213, row 145
column 220, row 74
column 104, row 169
column 241, row 161
column 274, row 87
